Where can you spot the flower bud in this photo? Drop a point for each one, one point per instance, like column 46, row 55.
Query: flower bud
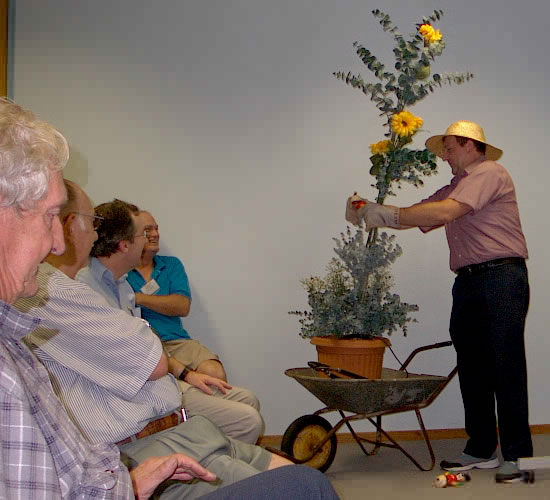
column 422, row 71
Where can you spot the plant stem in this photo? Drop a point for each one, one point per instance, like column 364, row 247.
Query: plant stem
column 371, row 238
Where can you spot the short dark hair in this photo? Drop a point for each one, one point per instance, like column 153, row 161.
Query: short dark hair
column 116, row 226
column 481, row 147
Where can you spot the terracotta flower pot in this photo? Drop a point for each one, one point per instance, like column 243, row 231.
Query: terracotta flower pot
column 361, row 356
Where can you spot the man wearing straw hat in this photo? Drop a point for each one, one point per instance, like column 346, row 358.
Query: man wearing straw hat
column 490, row 293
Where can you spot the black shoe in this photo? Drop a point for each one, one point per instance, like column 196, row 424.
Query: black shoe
column 508, row 473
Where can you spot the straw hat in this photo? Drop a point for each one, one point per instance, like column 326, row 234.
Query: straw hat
column 462, row 128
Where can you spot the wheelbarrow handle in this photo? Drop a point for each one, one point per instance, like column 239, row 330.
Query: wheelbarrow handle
column 425, row 348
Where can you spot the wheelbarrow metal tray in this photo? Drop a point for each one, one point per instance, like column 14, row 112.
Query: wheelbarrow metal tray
column 395, row 391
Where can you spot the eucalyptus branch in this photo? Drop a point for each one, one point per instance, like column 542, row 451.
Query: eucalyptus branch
column 397, row 92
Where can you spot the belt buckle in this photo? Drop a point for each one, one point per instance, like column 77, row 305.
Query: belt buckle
column 183, row 413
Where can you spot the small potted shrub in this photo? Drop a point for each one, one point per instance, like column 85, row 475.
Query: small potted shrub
column 352, row 307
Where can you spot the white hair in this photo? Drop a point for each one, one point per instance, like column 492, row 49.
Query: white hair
column 29, row 150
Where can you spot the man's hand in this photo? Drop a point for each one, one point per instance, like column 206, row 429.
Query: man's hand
column 204, row 382
column 153, row 471
column 374, row 214
column 352, row 211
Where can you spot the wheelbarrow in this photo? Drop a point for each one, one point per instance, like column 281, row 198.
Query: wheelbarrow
column 311, row 439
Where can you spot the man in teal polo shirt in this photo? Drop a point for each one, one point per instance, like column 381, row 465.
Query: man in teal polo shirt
column 162, row 291
column 163, row 296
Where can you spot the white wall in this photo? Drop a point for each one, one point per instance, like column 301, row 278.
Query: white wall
column 223, row 118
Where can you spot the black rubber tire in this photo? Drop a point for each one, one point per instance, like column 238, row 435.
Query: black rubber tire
column 303, row 435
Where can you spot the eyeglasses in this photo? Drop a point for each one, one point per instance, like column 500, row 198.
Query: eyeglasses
column 141, row 235
column 96, row 219
column 150, row 229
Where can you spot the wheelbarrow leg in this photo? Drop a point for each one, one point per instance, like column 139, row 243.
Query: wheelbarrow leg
column 399, row 447
column 360, row 440
column 426, row 440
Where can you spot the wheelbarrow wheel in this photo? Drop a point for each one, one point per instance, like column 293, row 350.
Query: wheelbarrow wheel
column 304, row 435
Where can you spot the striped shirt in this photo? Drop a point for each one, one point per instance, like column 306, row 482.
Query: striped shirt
column 43, row 456
column 99, row 359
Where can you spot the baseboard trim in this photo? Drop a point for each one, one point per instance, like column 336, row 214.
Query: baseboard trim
column 346, row 437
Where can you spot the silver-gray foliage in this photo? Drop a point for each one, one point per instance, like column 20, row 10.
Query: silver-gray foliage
column 354, row 298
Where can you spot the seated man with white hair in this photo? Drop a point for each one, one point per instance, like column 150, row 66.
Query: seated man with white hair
column 44, row 453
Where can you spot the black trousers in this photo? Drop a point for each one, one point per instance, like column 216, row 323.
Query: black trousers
column 487, row 329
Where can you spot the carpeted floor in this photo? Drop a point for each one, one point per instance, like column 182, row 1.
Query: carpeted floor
column 390, row 475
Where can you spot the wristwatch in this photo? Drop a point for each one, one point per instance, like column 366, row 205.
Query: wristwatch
column 184, row 373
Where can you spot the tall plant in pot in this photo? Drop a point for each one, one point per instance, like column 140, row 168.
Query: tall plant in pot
column 353, row 304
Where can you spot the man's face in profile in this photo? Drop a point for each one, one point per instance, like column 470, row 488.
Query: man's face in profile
column 27, row 237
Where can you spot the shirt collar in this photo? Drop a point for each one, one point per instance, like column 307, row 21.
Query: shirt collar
column 103, row 273
column 158, row 262
column 468, row 170
column 471, row 166
column 14, row 324
column 122, row 279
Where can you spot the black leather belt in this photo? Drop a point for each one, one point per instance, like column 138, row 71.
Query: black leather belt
column 484, row 266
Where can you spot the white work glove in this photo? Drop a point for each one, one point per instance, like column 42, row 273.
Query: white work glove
column 352, row 210
column 374, row 214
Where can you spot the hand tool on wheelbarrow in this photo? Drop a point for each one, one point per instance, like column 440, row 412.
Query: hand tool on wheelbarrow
column 334, row 372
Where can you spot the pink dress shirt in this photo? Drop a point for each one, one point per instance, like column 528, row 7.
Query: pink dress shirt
column 492, row 229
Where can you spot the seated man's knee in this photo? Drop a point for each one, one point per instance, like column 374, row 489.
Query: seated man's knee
column 212, row 367
column 242, row 395
column 250, row 399
column 296, row 481
column 309, row 483
column 230, row 470
column 241, row 421
column 254, row 424
column 200, row 426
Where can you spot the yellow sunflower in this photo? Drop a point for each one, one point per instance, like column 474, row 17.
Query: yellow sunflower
column 429, row 33
column 426, row 30
column 380, row 147
column 436, row 36
column 405, row 123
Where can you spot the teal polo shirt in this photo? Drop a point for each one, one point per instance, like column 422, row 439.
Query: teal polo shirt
column 170, row 275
